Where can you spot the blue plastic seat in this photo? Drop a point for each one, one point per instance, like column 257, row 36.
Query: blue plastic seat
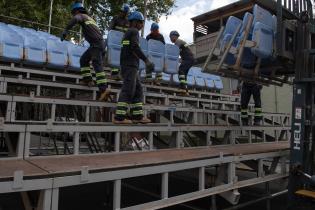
column 263, row 37
column 11, row 45
column 191, row 75
column 75, row 52
column 45, row 35
column 57, row 54
column 217, row 82
column 199, row 77
column 209, row 81
column 263, row 33
column 156, row 53
column 262, row 16
column 34, row 49
column 15, row 28
column 231, row 26
column 114, row 39
column 245, row 22
column 144, row 48
column 2, row 24
column 175, row 79
column 191, row 78
column 274, row 25
column 166, row 78
column 248, row 59
column 171, row 59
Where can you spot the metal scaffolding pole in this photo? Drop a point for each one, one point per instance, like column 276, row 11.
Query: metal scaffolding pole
column 50, row 14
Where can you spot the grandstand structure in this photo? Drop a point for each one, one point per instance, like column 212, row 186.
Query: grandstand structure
column 55, row 134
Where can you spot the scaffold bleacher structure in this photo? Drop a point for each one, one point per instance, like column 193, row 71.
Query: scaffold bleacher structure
column 55, row 134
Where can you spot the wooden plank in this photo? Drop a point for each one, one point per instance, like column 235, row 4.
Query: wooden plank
column 8, row 167
column 306, row 193
column 114, row 161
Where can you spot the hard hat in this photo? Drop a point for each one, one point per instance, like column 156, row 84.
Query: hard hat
column 77, row 6
column 136, row 16
column 174, row 33
column 154, row 26
column 125, row 8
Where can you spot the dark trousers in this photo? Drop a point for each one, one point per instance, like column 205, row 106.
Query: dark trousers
column 94, row 53
column 131, row 94
column 183, row 71
column 249, row 90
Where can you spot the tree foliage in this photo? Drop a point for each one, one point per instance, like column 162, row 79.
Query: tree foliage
column 101, row 10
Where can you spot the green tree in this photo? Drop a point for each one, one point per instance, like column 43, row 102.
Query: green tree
column 35, row 11
column 102, row 10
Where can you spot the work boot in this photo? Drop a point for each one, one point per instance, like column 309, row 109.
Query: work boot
column 122, row 122
column 144, row 120
column 105, row 95
column 87, row 82
column 183, row 92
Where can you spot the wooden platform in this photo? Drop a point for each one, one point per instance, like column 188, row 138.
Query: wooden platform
column 52, row 166
column 306, row 193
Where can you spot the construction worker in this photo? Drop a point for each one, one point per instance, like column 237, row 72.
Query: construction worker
column 249, row 89
column 131, row 92
column 94, row 53
column 187, row 62
column 155, row 35
column 119, row 23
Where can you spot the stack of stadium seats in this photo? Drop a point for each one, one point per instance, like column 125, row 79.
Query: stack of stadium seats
column 156, row 53
column 231, row 26
column 74, row 54
column 114, row 39
column 37, row 48
column 34, row 47
column 11, row 45
column 171, row 59
column 262, row 32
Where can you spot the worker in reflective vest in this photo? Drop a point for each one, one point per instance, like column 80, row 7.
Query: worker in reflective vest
column 155, row 35
column 94, row 53
column 187, row 62
column 119, row 23
column 131, row 94
column 249, row 89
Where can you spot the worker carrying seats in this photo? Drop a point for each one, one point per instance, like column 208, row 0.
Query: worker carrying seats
column 119, row 23
column 131, row 91
column 249, row 89
column 94, row 53
column 187, row 62
column 155, row 35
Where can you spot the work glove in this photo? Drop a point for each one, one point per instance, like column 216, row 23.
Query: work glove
column 63, row 35
column 149, row 66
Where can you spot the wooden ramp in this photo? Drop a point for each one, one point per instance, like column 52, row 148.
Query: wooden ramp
column 69, row 165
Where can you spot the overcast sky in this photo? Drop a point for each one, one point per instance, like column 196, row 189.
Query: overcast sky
column 180, row 18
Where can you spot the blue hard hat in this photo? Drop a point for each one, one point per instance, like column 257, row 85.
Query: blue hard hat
column 136, row 16
column 174, row 33
column 77, row 6
column 125, row 8
column 154, row 26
